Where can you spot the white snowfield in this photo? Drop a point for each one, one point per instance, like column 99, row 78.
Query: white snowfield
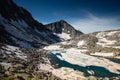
column 81, row 43
column 117, row 47
column 63, row 36
column 57, row 47
column 103, row 34
column 65, row 43
column 103, row 54
column 53, row 47
column 16, row 50
column 102, row 41
column 112, row 33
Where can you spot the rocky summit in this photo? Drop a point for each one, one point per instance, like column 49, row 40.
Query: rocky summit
column 62, row 27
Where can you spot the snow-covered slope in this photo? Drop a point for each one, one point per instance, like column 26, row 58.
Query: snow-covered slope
column 109, row 38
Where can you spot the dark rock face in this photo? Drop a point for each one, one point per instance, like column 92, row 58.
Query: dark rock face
column 63, row 26
column 4, row 36
column 10, row 10
column 21, row 26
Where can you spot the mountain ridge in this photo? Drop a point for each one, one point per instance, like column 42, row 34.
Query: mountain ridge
column 23, row 28
column 17, row 18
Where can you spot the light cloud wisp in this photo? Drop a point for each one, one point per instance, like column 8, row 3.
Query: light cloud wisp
column 94, row 23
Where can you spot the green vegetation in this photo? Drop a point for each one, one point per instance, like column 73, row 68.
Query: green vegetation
column 9, row 75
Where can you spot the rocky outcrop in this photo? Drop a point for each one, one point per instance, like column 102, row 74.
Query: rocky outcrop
column 22, row 64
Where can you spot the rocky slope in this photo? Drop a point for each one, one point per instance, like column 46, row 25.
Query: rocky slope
column 20, row 27
column 22, row 64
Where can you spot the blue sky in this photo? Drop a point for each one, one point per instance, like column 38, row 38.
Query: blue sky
column 85, row 15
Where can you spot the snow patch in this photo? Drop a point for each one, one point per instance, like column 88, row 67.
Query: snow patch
column 81, row 43
column 53, row 47
column 6, row 64
column 64, row 36
column 112, row 33
column 104, row 42
column 101, row 34
column 15, row 50
column 117, row 47
column 103, row 54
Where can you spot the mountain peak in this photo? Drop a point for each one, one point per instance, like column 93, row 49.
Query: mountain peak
column 62, row 26
column 62, row 21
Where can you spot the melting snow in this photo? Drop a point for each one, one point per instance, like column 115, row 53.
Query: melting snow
column 81, row 43
column 112, row 33
column 64, row 36
column 6, row 64
column 104, row 42
column 52, row 47
column 103, row 54
column 101, row 34
column 16, row 50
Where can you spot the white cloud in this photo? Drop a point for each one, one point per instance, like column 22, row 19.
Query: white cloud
column 93, row 23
